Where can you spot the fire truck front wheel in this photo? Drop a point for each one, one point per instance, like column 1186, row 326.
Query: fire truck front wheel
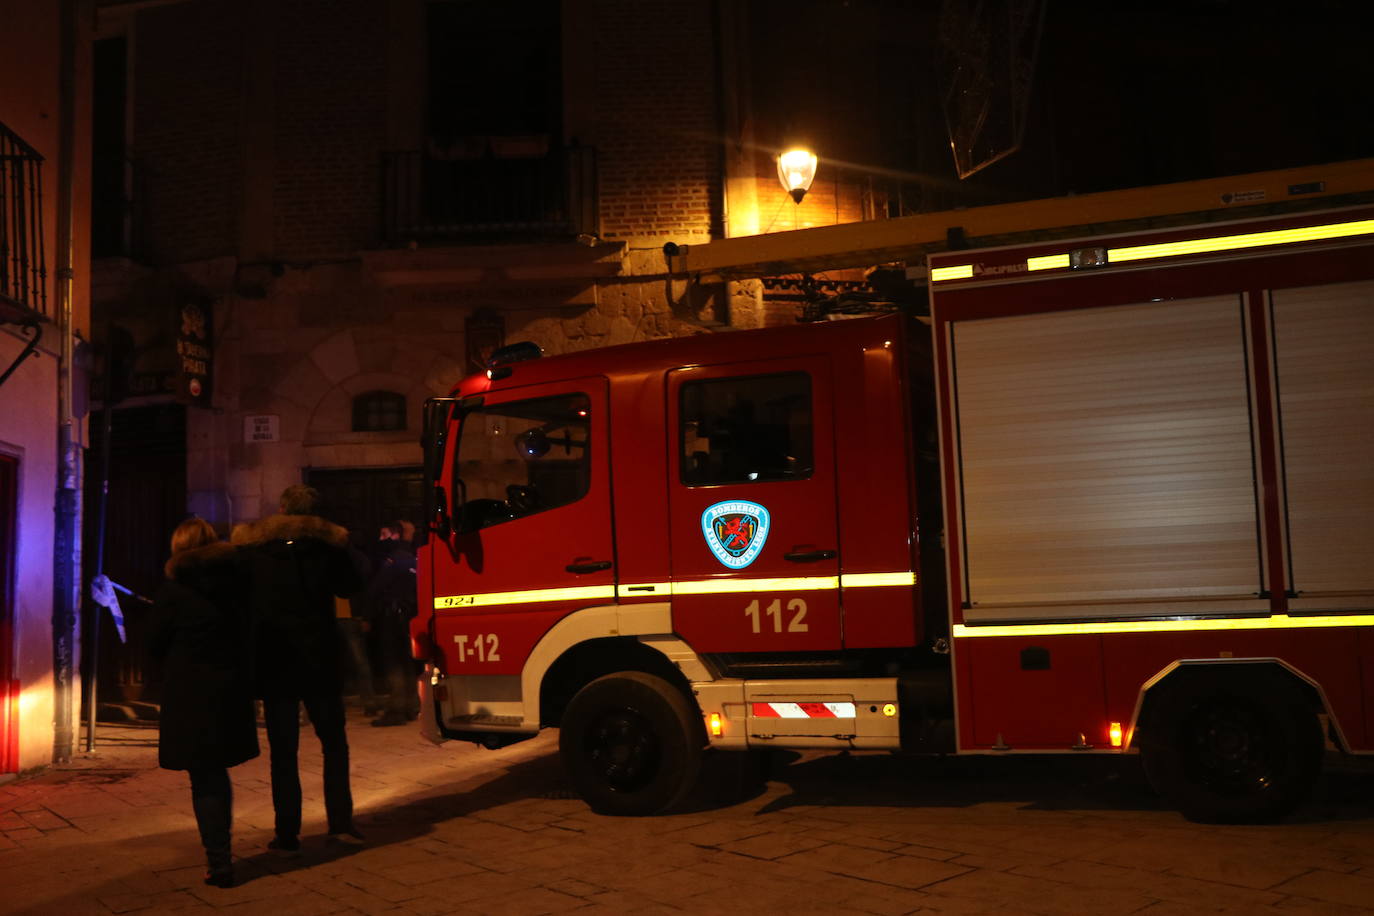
column 632, row 744
column 1232, row 750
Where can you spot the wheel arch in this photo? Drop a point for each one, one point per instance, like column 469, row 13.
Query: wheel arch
column 1182, row 671
column 594, row 658
column 596, row 641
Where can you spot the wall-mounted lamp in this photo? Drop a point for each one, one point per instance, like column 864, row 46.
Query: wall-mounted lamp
column 796, row 171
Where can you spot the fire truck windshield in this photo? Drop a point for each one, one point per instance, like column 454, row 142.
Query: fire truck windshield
column 521, row 458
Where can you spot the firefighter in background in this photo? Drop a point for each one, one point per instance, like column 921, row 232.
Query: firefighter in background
column 198, row 637
column 353, row 633
column 297, row 564
column 391, row 597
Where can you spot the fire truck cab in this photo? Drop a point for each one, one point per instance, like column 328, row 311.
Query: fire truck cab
column 1108, row 496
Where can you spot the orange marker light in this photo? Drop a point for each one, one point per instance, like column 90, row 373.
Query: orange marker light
column 715, row 725
column 1114, row 732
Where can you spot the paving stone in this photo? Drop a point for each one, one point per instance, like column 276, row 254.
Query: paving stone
column 927, row 852
column 1331, row 887
column 474, row 887
column 1308, row 907
column 771, row 845
column 1004, row 861
column 1033, row 895
column 299, row 903
column 837, row 858
column 133, row 903
column 415, row 873
column 532, row 901
column 462, row 830
column 1160, row 886
column 849, row 837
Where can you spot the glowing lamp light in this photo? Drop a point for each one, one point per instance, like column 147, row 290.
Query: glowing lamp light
column 716, row 728
column 1114, row 733
column 796, row 171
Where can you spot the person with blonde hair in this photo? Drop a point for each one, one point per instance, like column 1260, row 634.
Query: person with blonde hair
column 199, row 637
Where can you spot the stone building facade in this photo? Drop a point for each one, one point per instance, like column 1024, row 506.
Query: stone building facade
column 283, row 174
column 362, row 197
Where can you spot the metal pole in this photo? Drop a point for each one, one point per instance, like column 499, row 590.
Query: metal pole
column 67, row 509
column 93, row 649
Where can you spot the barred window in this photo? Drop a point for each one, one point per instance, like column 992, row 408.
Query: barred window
column 379, row 411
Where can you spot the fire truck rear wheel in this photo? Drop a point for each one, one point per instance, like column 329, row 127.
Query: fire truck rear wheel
column 1231, row 751
column 632, row 744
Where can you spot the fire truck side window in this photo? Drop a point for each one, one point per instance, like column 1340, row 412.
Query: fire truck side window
column 741, row 430
column 522, row 458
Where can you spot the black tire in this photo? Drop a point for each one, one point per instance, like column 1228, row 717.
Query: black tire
column 632, row 744
column 1239, row 749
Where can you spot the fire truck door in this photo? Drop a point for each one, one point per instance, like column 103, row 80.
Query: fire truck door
column 532, row 539
column 755, row 545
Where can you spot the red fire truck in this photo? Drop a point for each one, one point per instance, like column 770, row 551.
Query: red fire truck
column 1110, row 496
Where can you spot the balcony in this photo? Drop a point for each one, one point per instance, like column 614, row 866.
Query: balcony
column 23, row 270
column 486, row 190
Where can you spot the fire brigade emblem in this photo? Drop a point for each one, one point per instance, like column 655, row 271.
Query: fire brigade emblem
column 735, row 530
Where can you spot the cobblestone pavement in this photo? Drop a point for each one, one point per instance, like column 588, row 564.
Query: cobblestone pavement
column 457, row 829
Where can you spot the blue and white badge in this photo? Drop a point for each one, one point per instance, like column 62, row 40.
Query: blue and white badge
column 735, row 530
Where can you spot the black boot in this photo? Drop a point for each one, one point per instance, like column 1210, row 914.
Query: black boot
column 220, row 877
column 390, row 717
column 212, row 801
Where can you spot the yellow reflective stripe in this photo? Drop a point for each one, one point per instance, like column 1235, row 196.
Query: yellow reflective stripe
column 1248, row 240
column 584, row 593
column 959, row 272
column 1276, row 622
column 877, row 580
column 1048, row 262
column 730, row 586
column 1216, row 243
column 661, row 589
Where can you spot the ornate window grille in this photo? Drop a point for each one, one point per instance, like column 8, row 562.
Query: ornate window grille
column 23, row 269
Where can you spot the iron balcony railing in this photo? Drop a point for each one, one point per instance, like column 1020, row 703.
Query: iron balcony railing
column 489, row 189
column 23, row 269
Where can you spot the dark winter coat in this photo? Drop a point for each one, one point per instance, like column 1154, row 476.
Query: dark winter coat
column 296, row 565
column 199, row 640
column 392, row 589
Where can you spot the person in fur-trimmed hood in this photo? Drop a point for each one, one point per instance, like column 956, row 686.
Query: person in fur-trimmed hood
column 198, row 637
column 297, row 563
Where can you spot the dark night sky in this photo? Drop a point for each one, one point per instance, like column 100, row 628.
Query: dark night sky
column 1125, row 93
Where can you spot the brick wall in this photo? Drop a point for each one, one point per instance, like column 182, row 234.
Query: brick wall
column 656, row 119
column 330, row 125
column 186, row 92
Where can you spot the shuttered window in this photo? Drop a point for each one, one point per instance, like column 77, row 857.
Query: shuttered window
column 1106, row 462
column 1324, row 351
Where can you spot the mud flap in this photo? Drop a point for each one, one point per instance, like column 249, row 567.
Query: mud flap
column 429, row 712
